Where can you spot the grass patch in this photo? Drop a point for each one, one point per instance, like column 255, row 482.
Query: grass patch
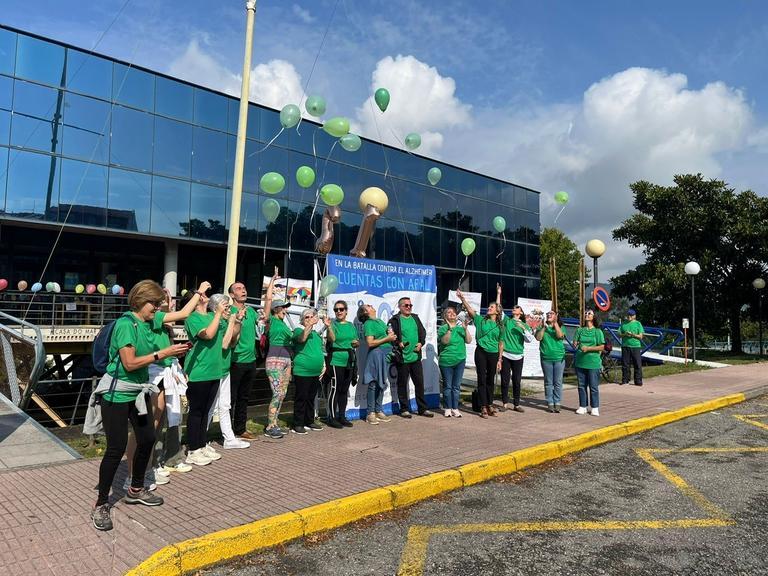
column 728, row 357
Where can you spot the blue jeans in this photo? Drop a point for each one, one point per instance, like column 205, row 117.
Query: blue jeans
column 588, row 378
column 452, row 376
column 553, row 380
column 375, row 394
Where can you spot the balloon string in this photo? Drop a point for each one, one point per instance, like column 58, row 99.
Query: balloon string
column 266, row 236
column 558, row 214
column 464, row 272
column 268, row 144
column 503, row 245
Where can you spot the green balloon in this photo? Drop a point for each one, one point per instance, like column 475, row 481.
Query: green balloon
column 49, row 287
column 561, row 197
column 412, row 141
column 337, row 126
column 382, row 98
column 351, row 142
column 434, row 175
column 271, row 209
column 290, row 115
column 305, row 176
column 272, row 182
column 467, row 246
column 332, row 194
column 328, row 285
column 499, row 224
column 315, row 105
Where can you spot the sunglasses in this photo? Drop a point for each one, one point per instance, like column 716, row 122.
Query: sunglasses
column 407, row 305
column 339, row 309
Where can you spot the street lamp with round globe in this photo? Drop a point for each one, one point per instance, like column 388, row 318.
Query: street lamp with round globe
column 758, row 284
column 693, row 268
column 594, row 249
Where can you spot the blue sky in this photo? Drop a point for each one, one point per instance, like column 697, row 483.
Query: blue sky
column 585, row 96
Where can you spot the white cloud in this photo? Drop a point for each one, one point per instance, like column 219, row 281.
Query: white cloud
column 637, row 124
column 302, row 14
column 421, row 100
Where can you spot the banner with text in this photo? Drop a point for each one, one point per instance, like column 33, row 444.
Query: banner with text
column 535, row 314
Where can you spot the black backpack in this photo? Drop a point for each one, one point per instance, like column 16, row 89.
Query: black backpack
column 100, row 350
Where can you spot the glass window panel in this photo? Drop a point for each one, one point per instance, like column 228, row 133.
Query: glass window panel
column 534, row 287
column 378, row 245
column 40, row 60
column 7, row 51
column 521, row 259
column 83, row 193
column 507, row 195
column 495, row 254
column 86, row 128
column 133, row 87
column 131, row 144
column 373, row 157
column 521, row 198
column 173, row 148
column 479, row 258
column 414, row 245
column 89, row 74
column 352, row 180
column 301, row 239
column 521, row 289
column 277, row 231
column 6, row 92
column 173, row 99
column 270, row 126
column 270, row 160
column 233, row 117
column 508, row 258
column 250, row 218
column 431, row 246
column 33, row 186
column 449, row 248
column 533, row 201
column 478, row 213
column 495, row 191
column 5, row 126
column 170, row 207
column 394, row 240
column 229, row 170
column 210, row 109
column 207, row 216
column 534, row 265
column 130, row 195
column 531, row 222
column 209, row 156
column 33, row 122
column 3, row 173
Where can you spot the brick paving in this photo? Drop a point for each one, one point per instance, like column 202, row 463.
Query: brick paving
column 46, row 529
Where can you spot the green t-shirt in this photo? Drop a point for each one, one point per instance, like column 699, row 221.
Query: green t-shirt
column 345, row 333
column 279, row 333
column 512, row 334
column 129, row 330
column 487, row 334
column 409, row 332
column 159, row 337
column 635, row 328
column 245, row 351
column 551, row 348
column 455, row 351
column 309, row 359
column 205, row 359
column 376, row 328
column 226, row 353
column 588, row 337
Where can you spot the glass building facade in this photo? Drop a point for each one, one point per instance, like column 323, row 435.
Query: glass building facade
column 133, row 162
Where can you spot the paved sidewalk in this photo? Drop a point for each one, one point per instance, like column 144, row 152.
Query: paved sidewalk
column 44, row 511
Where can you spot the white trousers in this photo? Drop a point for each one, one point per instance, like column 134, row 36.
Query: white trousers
column 222, row 405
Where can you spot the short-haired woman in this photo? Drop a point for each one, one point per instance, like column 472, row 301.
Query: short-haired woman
column 379, row 339
column 514, row 334
column 589, row 342
column 123, row 392
column 278, row 362
column 308, row 367
column 452, row 340
column 342, row 336
column 552, row 352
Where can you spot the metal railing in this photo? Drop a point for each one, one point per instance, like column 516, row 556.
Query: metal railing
column 50, row 309
column 23, row 359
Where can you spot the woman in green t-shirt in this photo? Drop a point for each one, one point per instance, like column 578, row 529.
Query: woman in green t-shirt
column 552, row 352
column 487, row 336
column 589, row 342
column 452, row 340
column 308, row 367
column 343, row 341
column 514, row 334
column 379, row 339
column 278, row 362
column 130, row 352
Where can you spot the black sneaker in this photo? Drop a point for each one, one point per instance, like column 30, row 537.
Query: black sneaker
column 299, row 430
column 274, row 433
column 406, row 415
column 101, row 518
column 346, row 423
column 427, row 414
column 334, row 424
column 144, row 496
column 314, row 426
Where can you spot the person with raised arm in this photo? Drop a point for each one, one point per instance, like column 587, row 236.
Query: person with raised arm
column 552, row 352
column 278, row 362
column 243, row 367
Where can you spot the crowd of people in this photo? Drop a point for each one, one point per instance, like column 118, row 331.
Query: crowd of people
column 146, row 387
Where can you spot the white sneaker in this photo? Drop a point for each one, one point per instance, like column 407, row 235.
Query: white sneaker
column 198, row 458
column 595, row 412
column 235, row 444
column 581, row 410
column 161, row 471
column 148, row 484
column 455, row 413
column 447, row 413
column 180, row 467
column 210, row 453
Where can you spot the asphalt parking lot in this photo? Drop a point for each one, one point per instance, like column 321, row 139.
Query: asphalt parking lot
column 688, row 498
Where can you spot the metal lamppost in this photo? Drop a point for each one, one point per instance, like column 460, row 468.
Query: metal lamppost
column 693, row 268
column 594, row 249
column 758, row 284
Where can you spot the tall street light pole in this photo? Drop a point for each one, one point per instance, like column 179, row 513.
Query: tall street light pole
column 242, row 124
column 693, row 268
column 759, row 284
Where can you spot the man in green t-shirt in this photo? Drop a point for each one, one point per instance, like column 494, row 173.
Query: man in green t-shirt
column 410, row 337
column 631, row 333
column 243, row 370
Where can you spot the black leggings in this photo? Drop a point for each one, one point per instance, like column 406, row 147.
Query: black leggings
column 201, row 396
column 304, row 399
column 485, row 364
column 515, row 367
column 115, row 417
column 338, row 390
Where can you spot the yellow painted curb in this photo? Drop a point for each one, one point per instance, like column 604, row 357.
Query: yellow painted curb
column 197, row 553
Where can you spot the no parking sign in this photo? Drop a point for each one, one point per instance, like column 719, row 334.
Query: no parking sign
column 601, row 298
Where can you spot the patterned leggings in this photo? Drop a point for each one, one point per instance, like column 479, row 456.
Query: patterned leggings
column 279, row 373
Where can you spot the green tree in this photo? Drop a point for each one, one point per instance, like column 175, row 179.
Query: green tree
column 700, row 220
column 555, row 244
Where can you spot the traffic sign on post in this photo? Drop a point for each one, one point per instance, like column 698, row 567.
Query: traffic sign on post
column 686, row 325
column 601, row 299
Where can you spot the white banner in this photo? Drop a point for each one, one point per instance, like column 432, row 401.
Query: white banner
column 535, row 315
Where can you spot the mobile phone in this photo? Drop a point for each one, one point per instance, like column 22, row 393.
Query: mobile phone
column 189, row 345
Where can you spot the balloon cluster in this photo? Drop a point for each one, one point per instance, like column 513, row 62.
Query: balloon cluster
column 55, row 287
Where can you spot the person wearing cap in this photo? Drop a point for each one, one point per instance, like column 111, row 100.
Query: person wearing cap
column 278, row 362
column 631, row 333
